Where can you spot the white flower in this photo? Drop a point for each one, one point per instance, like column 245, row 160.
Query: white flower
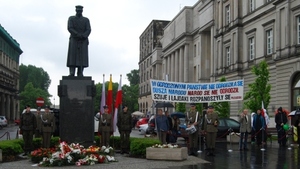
column 106, row 150
column 110, row 158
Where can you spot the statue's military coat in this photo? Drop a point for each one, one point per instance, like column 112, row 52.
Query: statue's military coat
column 80, row 29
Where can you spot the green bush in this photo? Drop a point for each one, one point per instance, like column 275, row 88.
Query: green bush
column 138, row 145
column 11, row 147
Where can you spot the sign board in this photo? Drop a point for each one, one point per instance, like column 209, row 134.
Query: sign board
column 40, row 102
column 197, row 92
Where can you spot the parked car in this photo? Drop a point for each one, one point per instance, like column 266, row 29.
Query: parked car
column 3, row 121
column 223, row 128
column 141, row 121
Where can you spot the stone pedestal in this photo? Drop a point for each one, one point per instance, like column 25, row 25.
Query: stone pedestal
column 76, row 116
column 176, row 154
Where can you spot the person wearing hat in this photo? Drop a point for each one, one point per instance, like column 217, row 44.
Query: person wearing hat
column 47, row 127
column 193, row 117
column 105, row 126
column 281, row 120
column 79, row 28
column 124, row 126
column 211, row 123
column 38, row 129
column 27, row 126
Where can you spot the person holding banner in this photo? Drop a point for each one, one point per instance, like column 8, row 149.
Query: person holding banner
column 193, row 120
column 211, row 123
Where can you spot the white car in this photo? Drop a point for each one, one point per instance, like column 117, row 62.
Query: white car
column 143, row 128
column 3, row 121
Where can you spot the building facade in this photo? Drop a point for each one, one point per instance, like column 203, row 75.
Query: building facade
column 216, row 38
column 10, row 52
column 149, row 65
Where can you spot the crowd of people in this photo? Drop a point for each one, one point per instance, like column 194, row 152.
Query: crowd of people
column 42, row 125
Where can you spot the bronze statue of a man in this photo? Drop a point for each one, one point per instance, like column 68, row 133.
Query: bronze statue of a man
column 79, row 28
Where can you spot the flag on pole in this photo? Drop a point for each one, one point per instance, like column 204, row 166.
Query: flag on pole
column 102, row 103
column 264, row 113
column 118, row 103
column 109, row 100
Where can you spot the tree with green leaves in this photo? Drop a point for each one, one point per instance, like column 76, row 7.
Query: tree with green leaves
column 30, row 94
column 259, row 90
column 37, row 76
column 222, row 108
column 180, row 107
column 133, row 77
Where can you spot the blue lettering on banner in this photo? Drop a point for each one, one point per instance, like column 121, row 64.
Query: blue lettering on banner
column 171, row 85
column 196, row 86
column 176, row 92
column 229, row 84
column 159, row 90
column 153, row 83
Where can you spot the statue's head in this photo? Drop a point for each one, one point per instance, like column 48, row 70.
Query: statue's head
column 79, row 9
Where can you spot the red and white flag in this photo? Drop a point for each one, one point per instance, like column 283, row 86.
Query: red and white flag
column 118, row 103
column 264, row 113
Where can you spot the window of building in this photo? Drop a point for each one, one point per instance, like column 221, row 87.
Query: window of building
column 251, row 5
column 269, row 43
column 227, row 14
column 227, row 50
column 298, row 29
column 195, row 50
column 251, row 48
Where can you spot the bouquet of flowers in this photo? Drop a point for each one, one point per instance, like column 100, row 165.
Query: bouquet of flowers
column 165, row 146
column 38, row 154
column 78, row 155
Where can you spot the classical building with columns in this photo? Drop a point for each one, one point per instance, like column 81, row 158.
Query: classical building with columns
column 149, row 65
column 10, row 52
column 216, row 38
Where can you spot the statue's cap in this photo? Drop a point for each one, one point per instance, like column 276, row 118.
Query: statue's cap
column 78, row 7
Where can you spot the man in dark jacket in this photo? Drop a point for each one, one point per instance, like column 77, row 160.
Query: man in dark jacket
column 28, row 126
column 259, row 126
column 162, row 126
column 124, row 127
column 280, row 120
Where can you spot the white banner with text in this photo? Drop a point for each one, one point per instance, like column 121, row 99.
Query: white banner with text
column 197, row 92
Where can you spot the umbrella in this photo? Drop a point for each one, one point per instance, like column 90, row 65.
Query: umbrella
column 178, row 114
column 164, row 104
column 295, row 112
column 137, row 113
column 284, row 111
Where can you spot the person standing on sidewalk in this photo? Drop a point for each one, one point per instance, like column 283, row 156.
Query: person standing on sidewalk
column 245, row 129
column 47, row 126
column 105, row 126
column 211, row 123
column 27, row 126
column 280, row 120
column 193, row 118
column 259, row 126
column 124, row 126
column 37, row 133
column 162, row 126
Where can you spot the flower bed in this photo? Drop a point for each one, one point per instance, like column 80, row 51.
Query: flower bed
column 166, row 152
column 73, row 154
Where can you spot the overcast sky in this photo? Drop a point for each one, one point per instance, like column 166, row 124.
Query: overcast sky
column 40, row 27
